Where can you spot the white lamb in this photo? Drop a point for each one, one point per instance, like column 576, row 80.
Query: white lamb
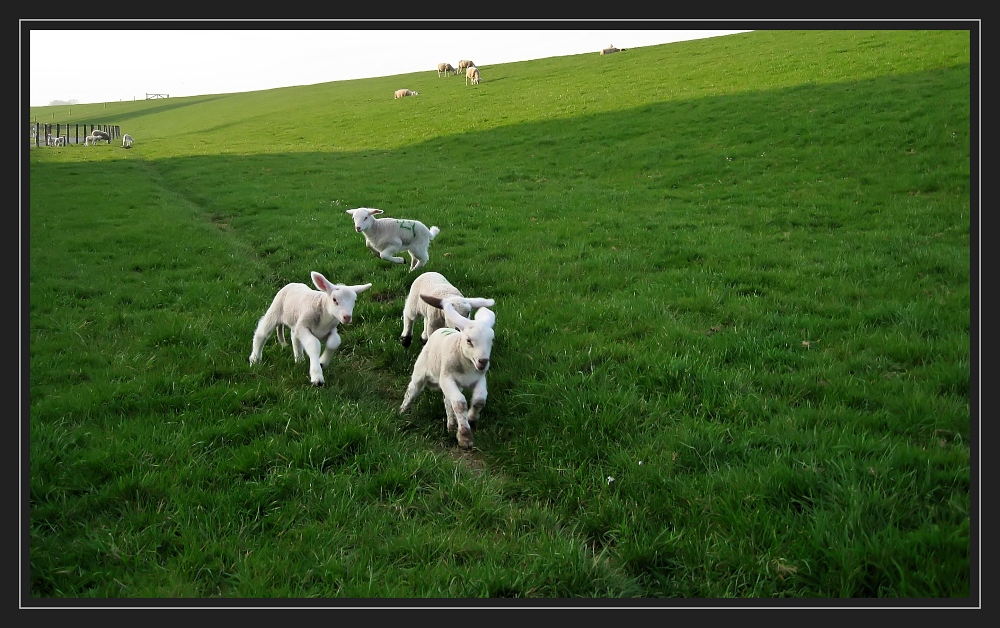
column 472, row 75
column 446, row 69
column 454, row 360
column 58, row 141
column 90, row 140
column 312, row 316
column 127, row 141
column 402, row 93
column 385, row 236
column 434, row 285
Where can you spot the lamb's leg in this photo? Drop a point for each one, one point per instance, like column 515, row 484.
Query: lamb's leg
column 417, row 259
column 478, row 401
column 311, row 345
column 407, row 336
column 260, row 336
column 414, row 389
column 332, row 342
column 389, row 254
column 455, row 401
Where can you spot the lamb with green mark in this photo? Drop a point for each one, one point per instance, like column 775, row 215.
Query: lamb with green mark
column 386, row 236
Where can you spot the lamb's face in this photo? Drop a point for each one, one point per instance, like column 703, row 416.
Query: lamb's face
column 340, row 305
column 363, row 218
column 477, row 344
column 339, row 299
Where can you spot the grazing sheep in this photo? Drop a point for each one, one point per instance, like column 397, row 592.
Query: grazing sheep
column 434, row 285
column 464, row 64
column 402, row 93
column 385, row 236
column 103, row 135
column 127, row 141
column 611, row 49
column 446, row 69
column 312, row 316
column 90, row 140
column 453, row 360
column 472, row 74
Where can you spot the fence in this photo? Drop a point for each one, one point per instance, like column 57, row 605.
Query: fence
column 45, row 134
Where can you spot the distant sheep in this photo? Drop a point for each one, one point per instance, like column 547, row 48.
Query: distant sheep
column 90, row 140
column 58, row 140
column 312, row 316
column 472, row 75
column 385, row 236
column 104, row 135
column 402, row 93
column 453, row 360
column 611, row 49
column 127, row 141
column 446, row 69
column 464, row 64
column 434, row 285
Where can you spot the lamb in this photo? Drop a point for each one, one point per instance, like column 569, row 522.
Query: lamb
column 434, row 285
column 58, row 140
column 312, row 316
column 402, row 93
column 453, row 360
column 90, row 140
column 446, row 69
column 464, row 64
column 472, row 74
column 127, row 141
column 385, row 236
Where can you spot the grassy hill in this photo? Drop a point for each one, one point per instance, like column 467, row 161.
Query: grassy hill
column 733, row 332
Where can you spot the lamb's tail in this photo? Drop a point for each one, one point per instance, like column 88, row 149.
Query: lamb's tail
column 434, row 231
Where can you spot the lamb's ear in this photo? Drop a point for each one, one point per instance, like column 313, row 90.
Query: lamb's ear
column 454, row 319
column 374, row 211
column 359, row 288
column 321, row 282
column 432, row 301
column 350, row 211
column 485, row 317
column 474, row 303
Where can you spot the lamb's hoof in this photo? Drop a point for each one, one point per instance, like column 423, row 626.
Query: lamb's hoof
column 405, row 340
column 423, row 340
column 318, row 384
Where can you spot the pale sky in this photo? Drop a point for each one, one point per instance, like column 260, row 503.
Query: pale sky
column 91, row 65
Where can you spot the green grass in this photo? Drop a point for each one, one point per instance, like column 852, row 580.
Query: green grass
column 733, row 332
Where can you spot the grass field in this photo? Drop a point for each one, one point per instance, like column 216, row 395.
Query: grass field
column 733, row 339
